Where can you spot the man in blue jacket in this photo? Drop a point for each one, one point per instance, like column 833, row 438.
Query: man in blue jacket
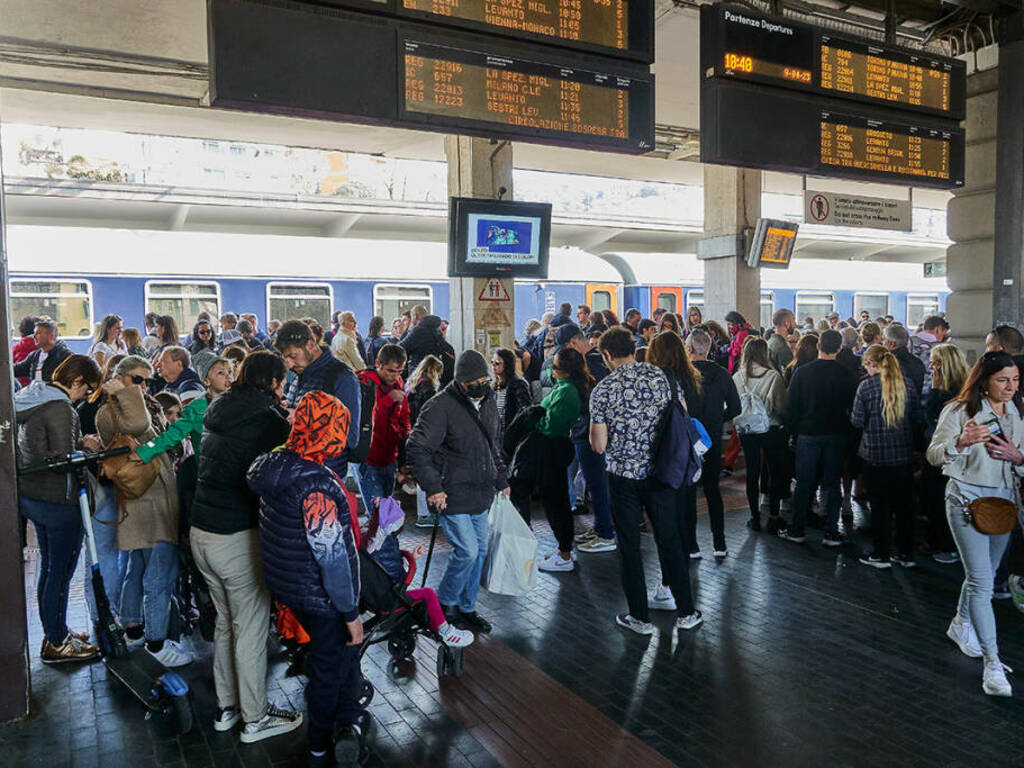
column 317, row 369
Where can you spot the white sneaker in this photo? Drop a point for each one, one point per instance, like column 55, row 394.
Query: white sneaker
column 635, row 625
column 962, row 633
column 185, row 646
column 695, row 619
column 661, row 599
column 696, row 555
column 597, row 544
column 721, row 554
column 993, row 679
column 455, row 638
column 172, row 655
column 226, row 719
column 274, row 723
column 554, row 563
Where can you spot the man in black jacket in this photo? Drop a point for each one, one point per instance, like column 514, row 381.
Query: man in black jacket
column 818, row 415
column 895, row 338
column 717, row 402
column 40, row 364
column 453, row 451
column 425, row 338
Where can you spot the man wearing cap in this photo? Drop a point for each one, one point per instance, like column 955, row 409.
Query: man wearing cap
column 833, row 320
column 453, row 452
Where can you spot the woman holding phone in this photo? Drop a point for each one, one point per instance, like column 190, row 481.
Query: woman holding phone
column 977, row 442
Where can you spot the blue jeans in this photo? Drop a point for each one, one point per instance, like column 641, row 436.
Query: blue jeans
column 813, row 453
column 149, row 582
column 577, row 490
column 375, row 483
column 59, row 531
column 593, row 468
column 461, row 581
column 113, row 562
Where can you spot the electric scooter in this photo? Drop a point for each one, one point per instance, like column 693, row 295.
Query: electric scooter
column 160, row 690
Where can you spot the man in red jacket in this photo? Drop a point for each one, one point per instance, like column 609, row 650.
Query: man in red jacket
column 390, row 424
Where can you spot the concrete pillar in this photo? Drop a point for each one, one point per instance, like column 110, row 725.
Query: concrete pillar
column 732, row 203
column 971, row 221
column 14, row 691
column 480, row 168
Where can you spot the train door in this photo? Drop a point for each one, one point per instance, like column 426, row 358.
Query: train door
column 603, row 296
column 667, row 297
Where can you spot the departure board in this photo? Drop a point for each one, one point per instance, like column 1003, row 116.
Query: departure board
column 793, row 133
column 475, row 89
column 870, row 145
column 737, row 43
column 772, row 243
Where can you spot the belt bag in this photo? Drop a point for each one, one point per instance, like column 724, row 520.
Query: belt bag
column 991, row 515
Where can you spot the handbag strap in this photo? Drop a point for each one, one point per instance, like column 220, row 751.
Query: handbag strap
column 487, row 435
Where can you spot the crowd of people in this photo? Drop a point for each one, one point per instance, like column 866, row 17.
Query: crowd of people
column 244, row 442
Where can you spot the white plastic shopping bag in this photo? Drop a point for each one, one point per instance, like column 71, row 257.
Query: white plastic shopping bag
column 511, row 564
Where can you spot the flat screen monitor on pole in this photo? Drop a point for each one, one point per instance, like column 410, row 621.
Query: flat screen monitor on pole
column 498, row 238
column 772, row 244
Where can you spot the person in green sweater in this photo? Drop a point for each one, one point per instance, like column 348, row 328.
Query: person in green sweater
column 562, row 404
column 215, row 373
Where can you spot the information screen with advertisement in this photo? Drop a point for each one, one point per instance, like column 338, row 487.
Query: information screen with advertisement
column 488, row 238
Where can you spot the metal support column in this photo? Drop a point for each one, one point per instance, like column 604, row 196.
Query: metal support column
column 14, row 691
column 1008, row 266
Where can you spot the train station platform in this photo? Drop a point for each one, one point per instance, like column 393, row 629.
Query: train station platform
column 806, row 658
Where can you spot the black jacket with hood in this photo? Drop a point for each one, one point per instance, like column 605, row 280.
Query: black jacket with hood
column 425, row 338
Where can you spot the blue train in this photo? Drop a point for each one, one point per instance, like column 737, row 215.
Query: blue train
column 79, row 275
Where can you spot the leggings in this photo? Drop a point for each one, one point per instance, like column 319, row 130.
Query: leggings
column 432, row 604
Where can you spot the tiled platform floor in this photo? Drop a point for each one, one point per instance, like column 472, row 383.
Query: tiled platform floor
column 806, row 659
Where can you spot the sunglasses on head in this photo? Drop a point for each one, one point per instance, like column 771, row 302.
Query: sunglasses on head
column 136, row 379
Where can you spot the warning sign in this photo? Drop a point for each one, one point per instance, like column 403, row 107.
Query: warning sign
column 841, row 210
column 494, row 291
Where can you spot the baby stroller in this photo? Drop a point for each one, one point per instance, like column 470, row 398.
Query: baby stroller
column 397, row 618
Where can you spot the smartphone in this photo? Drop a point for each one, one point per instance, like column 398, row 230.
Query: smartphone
column 993, row 426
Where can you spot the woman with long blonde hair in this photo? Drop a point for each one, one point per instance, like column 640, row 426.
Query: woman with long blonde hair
column 887, row 409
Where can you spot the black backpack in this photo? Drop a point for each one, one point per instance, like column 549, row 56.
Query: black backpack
column 367, row 402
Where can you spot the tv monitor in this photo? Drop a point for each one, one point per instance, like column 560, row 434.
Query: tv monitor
column 772, row 243
column 498, row 238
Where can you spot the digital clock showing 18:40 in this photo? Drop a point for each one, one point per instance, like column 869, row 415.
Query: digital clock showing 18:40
column 748, row 65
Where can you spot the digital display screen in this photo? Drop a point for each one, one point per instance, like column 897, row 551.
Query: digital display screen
column 737, row 43
column 871, row 145
column 778, row 246
column 603, row 23
column 794, row 134
column 488, row 238
column 507, row 240
column 484, row 90
column 874, row 72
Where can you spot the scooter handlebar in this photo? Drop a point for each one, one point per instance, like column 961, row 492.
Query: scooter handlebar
column 72, row 460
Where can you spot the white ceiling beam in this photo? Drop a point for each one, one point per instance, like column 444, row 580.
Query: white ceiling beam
column 340, row 226
column 179, row 217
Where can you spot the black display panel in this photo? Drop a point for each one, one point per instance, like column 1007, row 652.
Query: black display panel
column 298, row 60
column 314, row 61
column 469, row 87
column 772, row 244
column 798, row 133
column 498, row 238
column 739, row 44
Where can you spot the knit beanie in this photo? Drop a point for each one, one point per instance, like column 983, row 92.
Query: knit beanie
column 471, row 366
column 203, row 364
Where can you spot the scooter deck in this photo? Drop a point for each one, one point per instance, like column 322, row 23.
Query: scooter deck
column 139, row 672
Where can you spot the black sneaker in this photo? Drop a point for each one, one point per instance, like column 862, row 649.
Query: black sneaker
column 474, row 622
column 754, row 524
column 832, row 540
column 907, row 561
column 775, row 524
column 875, row 561
column 796, row 538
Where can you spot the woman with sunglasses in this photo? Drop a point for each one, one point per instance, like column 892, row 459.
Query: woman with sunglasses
column 148, row 531
column 48, row 427
column 202, row 345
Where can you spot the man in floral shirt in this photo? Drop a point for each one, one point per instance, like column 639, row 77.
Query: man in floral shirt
column 625, row 410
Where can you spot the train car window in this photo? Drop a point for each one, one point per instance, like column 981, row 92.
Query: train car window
column 919, row 306
column 183, row 301
column 602, row 300
column 695, row 299
column 667, row 301
column 391, row 300
column 767, row 308
column 814, row 304
column 68, row 302
column 291, row 301
column 875, row 304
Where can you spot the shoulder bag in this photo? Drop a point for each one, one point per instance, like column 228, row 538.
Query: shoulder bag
column 132, row 478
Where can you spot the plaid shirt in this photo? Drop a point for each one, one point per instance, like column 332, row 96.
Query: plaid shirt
column 879, row 444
